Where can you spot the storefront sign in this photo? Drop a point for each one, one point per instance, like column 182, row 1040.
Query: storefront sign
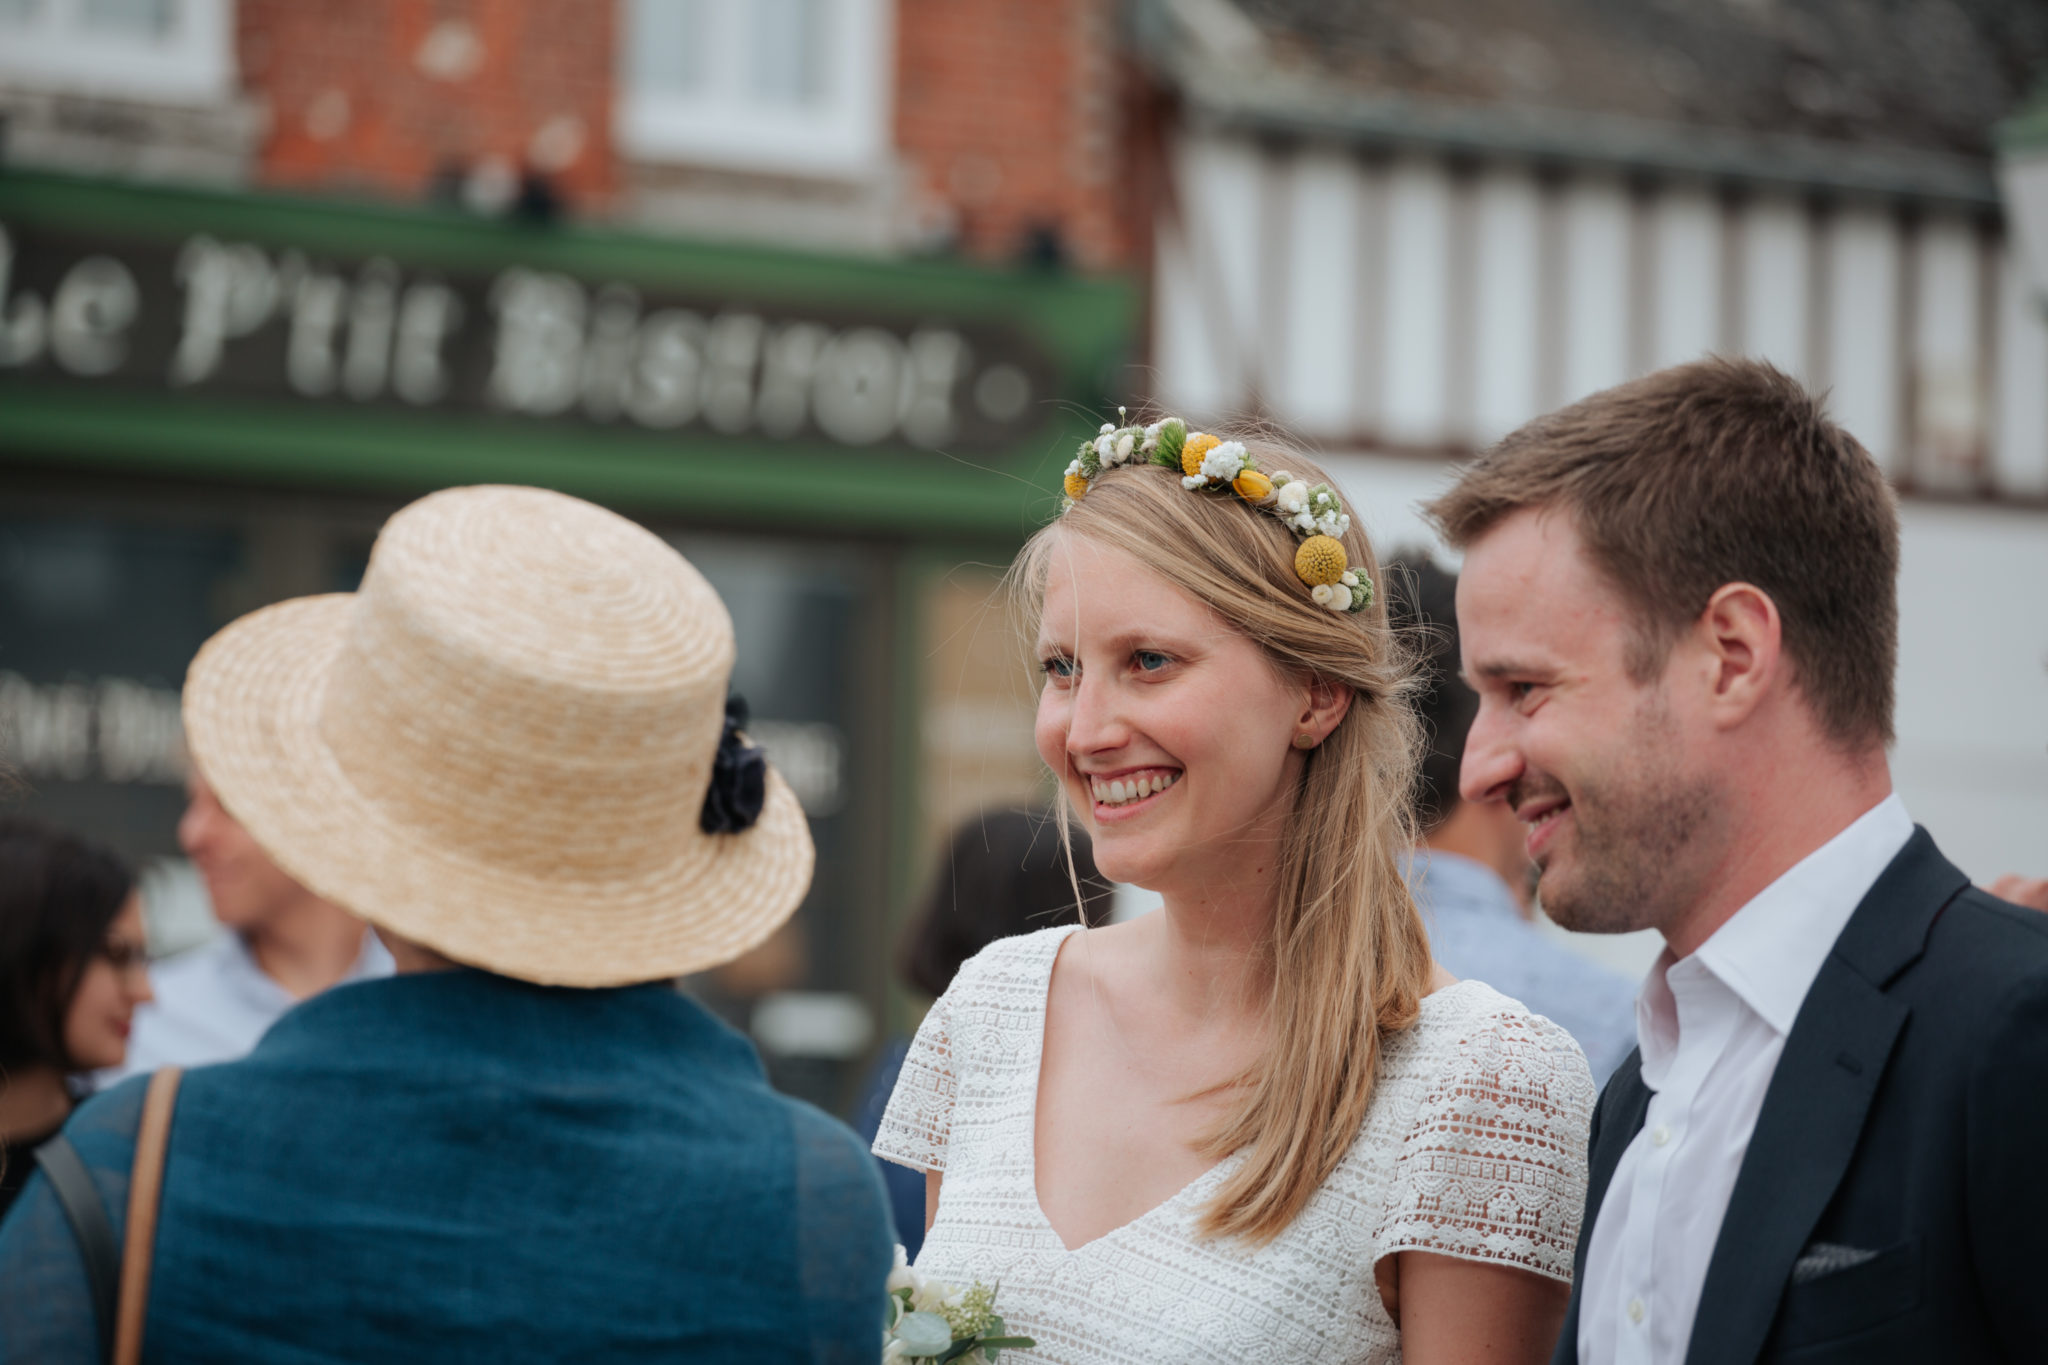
column 210, row 314
column 109, row 730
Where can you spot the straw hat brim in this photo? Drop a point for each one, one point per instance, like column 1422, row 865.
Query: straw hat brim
column 252, row 721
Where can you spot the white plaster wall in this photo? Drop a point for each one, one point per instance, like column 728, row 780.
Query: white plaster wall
column 1972, row 756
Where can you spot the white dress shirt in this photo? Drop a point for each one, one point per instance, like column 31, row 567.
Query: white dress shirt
column 1712, row 1026
column 213, row 1004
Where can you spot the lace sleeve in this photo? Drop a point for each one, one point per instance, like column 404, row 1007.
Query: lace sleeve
column 1493, row 1167
column 919, row 1119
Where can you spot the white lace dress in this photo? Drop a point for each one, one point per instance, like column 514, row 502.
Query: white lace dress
column 1474, row 1146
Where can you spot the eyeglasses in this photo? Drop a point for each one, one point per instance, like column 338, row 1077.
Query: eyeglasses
column 123, row 956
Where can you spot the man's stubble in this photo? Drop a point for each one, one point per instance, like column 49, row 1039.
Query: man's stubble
column 1636, row 835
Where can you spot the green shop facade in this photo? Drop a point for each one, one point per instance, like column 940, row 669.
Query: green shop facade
column 211, row 401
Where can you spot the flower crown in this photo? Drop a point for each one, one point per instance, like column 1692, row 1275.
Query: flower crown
column 1210, row 464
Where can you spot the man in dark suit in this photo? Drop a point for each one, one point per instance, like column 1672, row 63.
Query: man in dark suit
column 1679, row 607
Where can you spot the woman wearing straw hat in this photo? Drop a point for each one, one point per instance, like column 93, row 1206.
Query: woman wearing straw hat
column 510, row 750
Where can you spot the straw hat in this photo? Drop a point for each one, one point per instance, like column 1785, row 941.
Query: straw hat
column 499, row 747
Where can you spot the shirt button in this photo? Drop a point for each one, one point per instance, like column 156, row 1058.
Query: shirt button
column 1660, row 1135
column 1635, row 1310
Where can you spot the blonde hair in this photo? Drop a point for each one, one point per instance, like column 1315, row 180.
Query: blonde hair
column 1349, row 957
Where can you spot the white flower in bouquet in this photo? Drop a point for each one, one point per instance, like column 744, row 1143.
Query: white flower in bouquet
column 927, row 1319
column 901, row 1276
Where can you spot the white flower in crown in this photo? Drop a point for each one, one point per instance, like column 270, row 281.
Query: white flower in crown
column 1292, row 498
column 1105, row 428
column 1151, row 441
column 1339, row 598
column 1192, row 482
column 1074, row 468
column 1103, row 447
column 1304, row 522
column 1321, row 593
column 1333, row 524
column 1224, row 463
column 1124, row 445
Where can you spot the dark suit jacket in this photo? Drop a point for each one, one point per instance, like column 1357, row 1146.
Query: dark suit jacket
column 1908, row 1117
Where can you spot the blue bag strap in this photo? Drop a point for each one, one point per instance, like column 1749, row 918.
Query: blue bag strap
column 87, row 1214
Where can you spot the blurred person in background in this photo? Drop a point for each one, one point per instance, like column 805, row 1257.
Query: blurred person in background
column 512, row 751
column 72, row 971
column 281, row 945
column 1471, row 876
column 1003, row 874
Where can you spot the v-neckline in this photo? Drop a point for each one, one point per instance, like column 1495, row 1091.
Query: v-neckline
column 1031, row 1132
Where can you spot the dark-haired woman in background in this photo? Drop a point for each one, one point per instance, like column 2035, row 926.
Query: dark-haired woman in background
column 1003, row 874
column 72, row 971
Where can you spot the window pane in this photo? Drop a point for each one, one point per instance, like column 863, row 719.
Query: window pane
column 788, row 42
column 665, row 42
column 141, row 18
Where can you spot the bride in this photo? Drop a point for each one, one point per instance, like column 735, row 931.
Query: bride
column 1258, row 1125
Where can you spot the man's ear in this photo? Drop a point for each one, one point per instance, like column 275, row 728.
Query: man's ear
column 1744, row 642
column 1328, row 703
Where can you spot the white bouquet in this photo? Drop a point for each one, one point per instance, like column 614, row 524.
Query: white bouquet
column 928, row 1319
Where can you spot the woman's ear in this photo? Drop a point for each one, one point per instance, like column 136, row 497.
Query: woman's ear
column 1327, row 705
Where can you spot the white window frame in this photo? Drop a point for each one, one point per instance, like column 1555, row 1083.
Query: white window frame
column 845, row 136
column 192, row 64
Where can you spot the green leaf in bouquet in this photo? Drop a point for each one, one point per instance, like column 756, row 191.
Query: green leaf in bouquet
column 990, row 1345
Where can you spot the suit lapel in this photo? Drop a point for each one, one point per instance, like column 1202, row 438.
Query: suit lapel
column 1814, row 1109
column 1623, row 1109
column 1616, row 1121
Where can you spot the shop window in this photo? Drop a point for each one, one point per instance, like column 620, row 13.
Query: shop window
column 167, row 50
column 783, row 86
column 804, row 622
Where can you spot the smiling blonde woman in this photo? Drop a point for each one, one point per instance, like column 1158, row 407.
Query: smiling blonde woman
column 1258, row 1125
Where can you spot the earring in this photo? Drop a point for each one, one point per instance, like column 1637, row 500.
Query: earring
column 1304, row 740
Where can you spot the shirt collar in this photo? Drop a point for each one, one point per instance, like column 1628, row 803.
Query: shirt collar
column 1770, row 950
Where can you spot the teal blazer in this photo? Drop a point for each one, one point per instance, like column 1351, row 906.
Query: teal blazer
column 456, row 1166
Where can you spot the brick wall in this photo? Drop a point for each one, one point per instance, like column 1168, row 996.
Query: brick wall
column 381, row 95
column 1010, row 115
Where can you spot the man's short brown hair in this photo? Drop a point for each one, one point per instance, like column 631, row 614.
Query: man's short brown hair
column 1721, row 471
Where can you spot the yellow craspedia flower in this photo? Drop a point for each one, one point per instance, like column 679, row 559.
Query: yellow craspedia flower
column 1320, row 560
column 1193, row 449
column 1253, row 486
column 1076, row 485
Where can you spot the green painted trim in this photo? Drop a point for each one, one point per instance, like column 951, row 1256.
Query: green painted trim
column 918, row 569
column 1085, row 326
column 913, row 569
column 269, row 442
column 2025, row 131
